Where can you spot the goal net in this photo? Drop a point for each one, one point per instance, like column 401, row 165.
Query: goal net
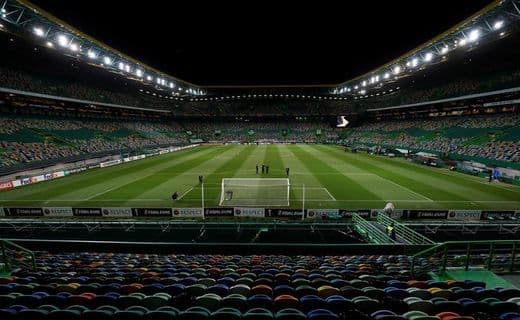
column 263, row 192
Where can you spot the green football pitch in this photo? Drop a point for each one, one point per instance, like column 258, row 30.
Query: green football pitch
column 332, row 177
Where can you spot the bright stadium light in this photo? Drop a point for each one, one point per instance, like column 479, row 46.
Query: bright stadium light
column 363, row 91
column 462, row 42
column 474, row 35
column 364, row 83
column 91, row 54
column 62, row 40
column 139, row 73
column 397, row 69
column 49, row 44
column 149, row 78
column 498, row 24
column 387, row 75
column 356, row 87
column 428, row 57
column 74, row 47
column 414, row 62
column 107, row 60
column 444, row 50
column 39, row 32
column 121, row 65
column 172, row 85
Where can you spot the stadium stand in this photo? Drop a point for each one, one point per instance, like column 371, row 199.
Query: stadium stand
column 494, row 137
column 87, row 285
column 26, row 139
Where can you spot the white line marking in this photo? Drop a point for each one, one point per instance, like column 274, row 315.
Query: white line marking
column 405, row 188
column 327, row 190
column 185, row 193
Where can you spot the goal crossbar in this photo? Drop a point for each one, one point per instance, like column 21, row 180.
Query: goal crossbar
column 255, row 192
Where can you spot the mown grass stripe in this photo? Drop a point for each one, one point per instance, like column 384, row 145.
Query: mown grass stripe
column 135, row 188
column 340, row 186
column 56, row 188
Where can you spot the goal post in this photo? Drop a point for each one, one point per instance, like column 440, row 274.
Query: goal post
column 262, row 192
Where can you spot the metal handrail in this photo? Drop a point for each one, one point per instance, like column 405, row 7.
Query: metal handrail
column 368, row 230
column 6, row 246
column 407, row 234
column 467, row 249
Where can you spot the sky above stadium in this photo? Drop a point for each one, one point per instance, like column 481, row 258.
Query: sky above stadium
column 263, row 43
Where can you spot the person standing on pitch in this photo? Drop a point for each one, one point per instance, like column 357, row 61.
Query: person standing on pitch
column 267, row 169
column 200, row 179
column 287, row 171
column 263, row 168
column 257, row 169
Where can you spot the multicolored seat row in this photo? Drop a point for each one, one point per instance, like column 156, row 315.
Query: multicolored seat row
column 100, row 286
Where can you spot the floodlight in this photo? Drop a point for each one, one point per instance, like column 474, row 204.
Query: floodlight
column 363, row 91
column 107, row 60
column 1, row 25
column 91, row 54
column 356, row 87
column 474, row 35
column 49, row 44
column 172, row 85
column 462, row 42
column 444, row 50
column 498, row 24
column 428, row 57
column 127, row 68
column 121, row 65
column 415, row 62
column 397, row 69
column 149, row 78
column 62, row 40
column 139, row 73
column 387, row 75
column 74, row 47
column 364, row 83
column 39, row 32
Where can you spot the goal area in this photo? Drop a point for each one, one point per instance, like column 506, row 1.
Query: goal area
column 249, row 192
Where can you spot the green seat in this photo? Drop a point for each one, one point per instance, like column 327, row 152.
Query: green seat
column 209, row 301
column 236, row 301
column 411, row 315
column 195, row 313
column 258, row 314
column 226, row 314
column 196, row 290
column 154, row 302
column 290, row 314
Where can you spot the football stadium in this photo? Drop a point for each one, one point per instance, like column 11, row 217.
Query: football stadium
column 135, row 186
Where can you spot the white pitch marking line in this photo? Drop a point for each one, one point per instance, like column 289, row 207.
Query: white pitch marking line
column 185, row 193
column 405, row 188
column 327, row 190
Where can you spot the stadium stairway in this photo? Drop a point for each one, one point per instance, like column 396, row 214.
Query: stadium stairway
column 404, row 234
column 370, row 231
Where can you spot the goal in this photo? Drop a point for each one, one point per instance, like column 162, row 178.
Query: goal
column 248, row 192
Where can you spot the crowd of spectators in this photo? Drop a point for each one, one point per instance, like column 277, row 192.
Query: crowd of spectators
column 498, row 138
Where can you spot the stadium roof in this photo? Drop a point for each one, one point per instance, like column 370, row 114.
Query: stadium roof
column 492, row 22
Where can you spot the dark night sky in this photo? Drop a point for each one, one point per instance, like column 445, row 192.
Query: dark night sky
column 306, row 42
